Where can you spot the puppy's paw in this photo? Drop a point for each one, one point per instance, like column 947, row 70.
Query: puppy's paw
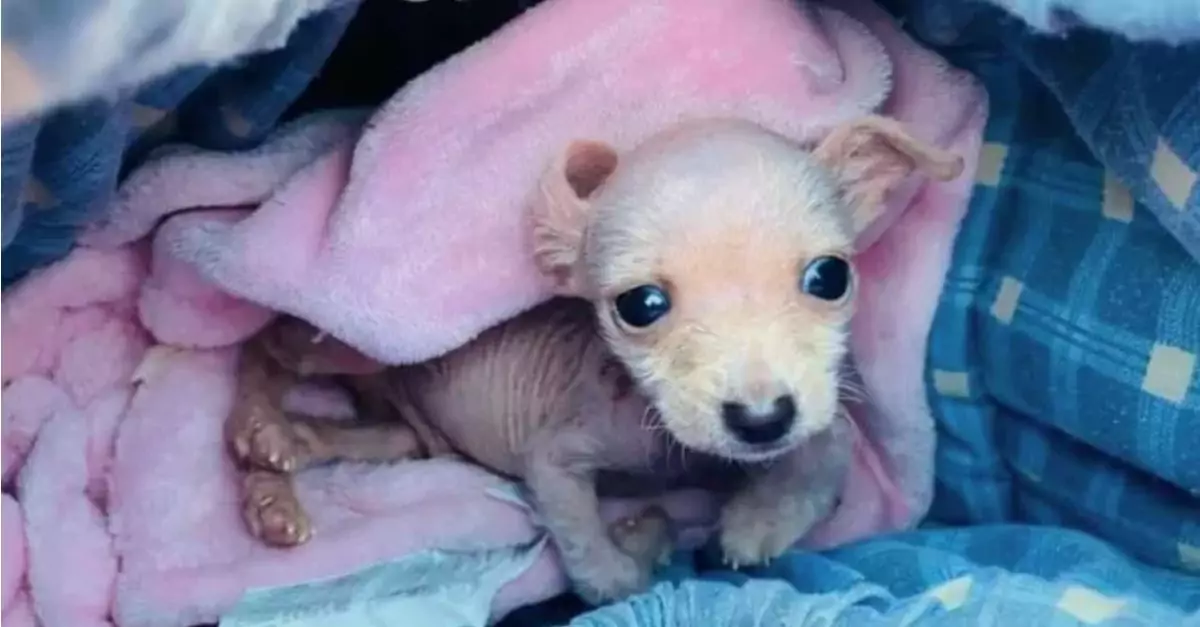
column 753, row 532
column 645, row 536
column 609, row 575
column 272, row 512
column 266, row 439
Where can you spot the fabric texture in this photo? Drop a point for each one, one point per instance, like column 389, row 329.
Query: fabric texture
column 75, row 50
column 1002, row 575
column 60, row 170
column 1064, row 368
column 1135, row 105
column 1170, row 21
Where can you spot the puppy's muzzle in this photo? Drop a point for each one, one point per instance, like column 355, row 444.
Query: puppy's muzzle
column 760, row 428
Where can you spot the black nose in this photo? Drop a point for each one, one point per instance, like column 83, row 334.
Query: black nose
column 760, row 428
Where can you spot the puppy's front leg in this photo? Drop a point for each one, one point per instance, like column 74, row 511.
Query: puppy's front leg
column 561, row 474
column 780, row 505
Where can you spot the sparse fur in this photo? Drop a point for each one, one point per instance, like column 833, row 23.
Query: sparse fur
column 725, row 216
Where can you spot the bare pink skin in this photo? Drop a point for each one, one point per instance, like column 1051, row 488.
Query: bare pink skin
column 725, row 215
column 539, row 398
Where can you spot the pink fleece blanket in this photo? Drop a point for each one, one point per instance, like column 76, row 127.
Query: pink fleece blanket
column 405, row 239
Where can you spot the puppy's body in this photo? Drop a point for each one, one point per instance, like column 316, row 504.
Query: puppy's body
column 544, row 376
column 715, row 260
column 542, row 373
column 539, row 398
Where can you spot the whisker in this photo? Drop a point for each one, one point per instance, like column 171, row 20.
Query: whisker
column 682, row 454
column 854, row 392
column 654, row 427
column 645, row 421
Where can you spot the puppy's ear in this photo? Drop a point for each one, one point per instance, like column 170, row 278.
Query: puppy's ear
column 560, row 213
column 872, row 155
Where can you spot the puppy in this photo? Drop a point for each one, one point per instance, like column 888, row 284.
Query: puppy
column 711, row 285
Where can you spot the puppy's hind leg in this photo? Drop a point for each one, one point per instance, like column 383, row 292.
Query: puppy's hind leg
column 271, row 510
column 257, row 431
column 261, row 435
column 317, row 441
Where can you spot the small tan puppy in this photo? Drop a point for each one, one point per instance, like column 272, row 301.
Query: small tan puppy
column 714, row 283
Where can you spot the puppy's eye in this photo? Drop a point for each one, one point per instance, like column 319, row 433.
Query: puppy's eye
column 827, row 278
column 642, row 306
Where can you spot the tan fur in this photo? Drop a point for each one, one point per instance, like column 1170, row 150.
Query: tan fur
column 723, row 216
column 727, row 215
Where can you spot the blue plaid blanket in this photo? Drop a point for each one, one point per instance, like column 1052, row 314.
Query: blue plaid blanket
column 1063, row 363
column 1136, row 106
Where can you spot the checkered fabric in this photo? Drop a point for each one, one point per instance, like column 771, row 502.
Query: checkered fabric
column 60, row 171
column 1063, row 367
column 1135, row 105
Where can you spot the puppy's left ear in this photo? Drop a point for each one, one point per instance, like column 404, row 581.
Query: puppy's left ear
column 560, row 212
column 872, row 155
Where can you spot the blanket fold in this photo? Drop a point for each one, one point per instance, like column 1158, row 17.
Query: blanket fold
column 404, row 238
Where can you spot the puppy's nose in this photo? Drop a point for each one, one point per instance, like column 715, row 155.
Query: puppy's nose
column 760, row 427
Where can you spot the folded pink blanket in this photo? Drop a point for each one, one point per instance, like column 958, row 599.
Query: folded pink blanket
column 406, row 240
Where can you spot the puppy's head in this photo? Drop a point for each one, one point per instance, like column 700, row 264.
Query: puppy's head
column 719, row 258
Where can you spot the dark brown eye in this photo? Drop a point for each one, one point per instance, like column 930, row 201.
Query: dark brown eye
column 642, row 306
column 827, row 278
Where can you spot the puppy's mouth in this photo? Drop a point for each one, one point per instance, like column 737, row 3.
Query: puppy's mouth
column 756, row 453
column 726, row 448
column 718, row 443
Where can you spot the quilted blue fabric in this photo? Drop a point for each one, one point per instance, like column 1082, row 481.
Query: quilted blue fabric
column 986, row 575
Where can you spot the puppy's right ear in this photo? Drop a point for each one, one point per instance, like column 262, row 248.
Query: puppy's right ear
column 560, row 212
column 871, row 155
